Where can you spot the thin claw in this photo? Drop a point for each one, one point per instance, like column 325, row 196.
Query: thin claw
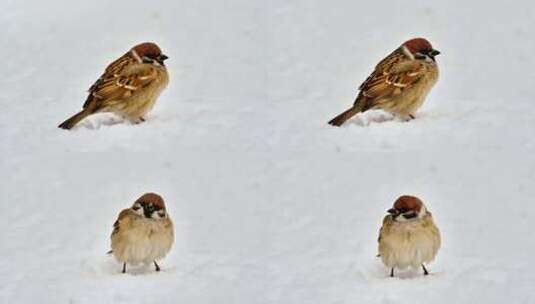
column 392, row 272
column 157, row 267
column 425, row 270
column 412, row 116
column 124, row 267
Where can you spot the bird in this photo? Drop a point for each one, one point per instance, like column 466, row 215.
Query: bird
column 399, row 84
column 128, row 87
column 142, row 234
column 408, row 237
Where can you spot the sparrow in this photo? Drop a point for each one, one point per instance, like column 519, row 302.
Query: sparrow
column 408, row 236
column 399, row 84
column 129, row 86
column 143, row 233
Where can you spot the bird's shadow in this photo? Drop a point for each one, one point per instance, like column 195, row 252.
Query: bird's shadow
column 107, row 265
column 373, row 116
column 100, row 120
column 377, row 271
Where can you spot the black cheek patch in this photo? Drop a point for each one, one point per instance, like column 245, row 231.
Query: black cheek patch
column 410, row 215
column 147, row 60
column 419, row 56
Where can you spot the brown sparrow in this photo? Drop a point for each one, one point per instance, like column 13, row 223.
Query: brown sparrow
column 408, row 237
column 129, row 86
column 399, row 84
column 143, row 233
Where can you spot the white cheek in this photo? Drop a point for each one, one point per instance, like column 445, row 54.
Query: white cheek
column 422, row 213
column 157, row 216
column 400, row 218
column 407, row 52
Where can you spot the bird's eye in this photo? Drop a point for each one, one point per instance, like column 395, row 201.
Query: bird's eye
column 161, row 214
column 136, row 207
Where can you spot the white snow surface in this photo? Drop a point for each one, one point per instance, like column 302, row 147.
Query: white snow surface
column 270, row 204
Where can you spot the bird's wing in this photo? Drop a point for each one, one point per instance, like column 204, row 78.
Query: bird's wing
column 384, row 65
column 121, row 220
column 121, row 80
column 387, row 221
column 391, row 77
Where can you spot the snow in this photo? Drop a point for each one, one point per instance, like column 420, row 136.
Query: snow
column 270, row 204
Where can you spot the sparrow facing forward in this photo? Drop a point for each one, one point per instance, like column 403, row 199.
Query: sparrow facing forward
column 129, row 86
column 399, row 84
column 408, row 237
column 143, row 233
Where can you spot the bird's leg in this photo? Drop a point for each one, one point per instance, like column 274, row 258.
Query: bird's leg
column 124, row 267
column 135, row 120
column 425, row 270
column 392, row 272
column 156, row 266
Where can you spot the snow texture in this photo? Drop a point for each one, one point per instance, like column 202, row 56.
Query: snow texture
column 270, row 204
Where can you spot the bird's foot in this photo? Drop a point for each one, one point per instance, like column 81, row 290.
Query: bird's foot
column 425, row 270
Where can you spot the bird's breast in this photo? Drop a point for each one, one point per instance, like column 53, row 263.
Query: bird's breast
column 405, row 245
column 143, row 241
column 143, row 100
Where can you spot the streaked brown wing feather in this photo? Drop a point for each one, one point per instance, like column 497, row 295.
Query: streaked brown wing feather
column 121, row 218
column 114, row 68
column 387, row 220
column 384, row 65
column 120, row 80
column 390, row 78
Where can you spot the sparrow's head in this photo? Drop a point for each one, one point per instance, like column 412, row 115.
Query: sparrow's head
column 420, row 49
column 407, row 208
column 150, row 205
column 149, row 52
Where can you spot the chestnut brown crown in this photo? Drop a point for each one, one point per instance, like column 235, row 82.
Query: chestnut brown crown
column 153, row 198
column 418, row 45
column 150, row 53
column 147, row 49
column 408, row 203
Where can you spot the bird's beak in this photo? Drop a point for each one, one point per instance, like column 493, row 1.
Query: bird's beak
column 162, row 58
column 433, row 53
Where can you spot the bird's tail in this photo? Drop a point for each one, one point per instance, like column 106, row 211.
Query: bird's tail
column 76, row 118
column 340, row 119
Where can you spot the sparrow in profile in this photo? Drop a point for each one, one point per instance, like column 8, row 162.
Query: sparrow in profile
column 129, row 86
column 409, row 236
column 399, row 84
column 143, row 233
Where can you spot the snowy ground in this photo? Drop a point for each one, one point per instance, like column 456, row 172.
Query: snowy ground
column 271, row 205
